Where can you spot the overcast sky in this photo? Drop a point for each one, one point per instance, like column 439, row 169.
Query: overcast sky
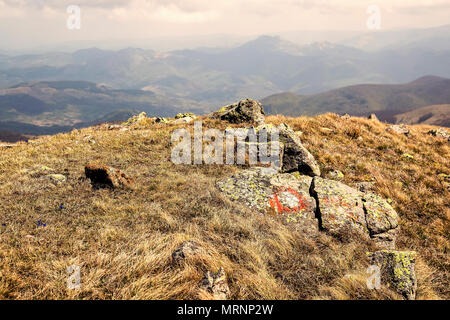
column 33, row 22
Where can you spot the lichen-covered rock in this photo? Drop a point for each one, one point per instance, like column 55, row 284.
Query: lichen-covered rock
column 214, row 285
column 183, row 120
column 247, row 110
column 103, row 176
column 340, row 207
column 380, row 216
column 365, row 186
column 397, row 270
column 382, row 220
column 295, row 156
column 268, row 191
column 185, row 250
column 309, row 203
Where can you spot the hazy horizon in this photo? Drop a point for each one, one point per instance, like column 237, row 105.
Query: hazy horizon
column 172, row 24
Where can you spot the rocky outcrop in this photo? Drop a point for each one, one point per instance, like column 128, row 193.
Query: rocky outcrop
column 103, row 176
column 215, row 285
column 313, row 204
column 373, row 116
column 397, row 270
column 244, row 111
column 183, row 120
column 57, row 178
column 365, row 186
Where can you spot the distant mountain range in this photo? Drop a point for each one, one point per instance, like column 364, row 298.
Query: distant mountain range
column 209, row 77
column 386, row 101
column 56, row 91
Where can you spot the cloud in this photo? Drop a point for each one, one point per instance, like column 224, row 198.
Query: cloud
column 45, row 20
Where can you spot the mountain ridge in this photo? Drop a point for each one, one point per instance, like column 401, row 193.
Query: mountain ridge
column 383, row 99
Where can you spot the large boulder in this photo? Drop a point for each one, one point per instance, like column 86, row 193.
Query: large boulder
column 340, row 207
column 244, row 111
column 266, row 190
column 397, row 270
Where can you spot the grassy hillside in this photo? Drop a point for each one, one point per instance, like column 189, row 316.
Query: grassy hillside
column 384, row 100
column 123, row 239
column 438, row 115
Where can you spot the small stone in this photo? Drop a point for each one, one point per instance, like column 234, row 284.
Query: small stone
column 373, row 116
column 57, row 178
column 441, row 133
column 186, row 250
column 215, row 285
column 399, row 129
column 104, row 176
column 6, row 146
column 365, row 186
column 335, row 175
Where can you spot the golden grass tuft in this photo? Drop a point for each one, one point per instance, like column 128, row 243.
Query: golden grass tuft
column 123, row 239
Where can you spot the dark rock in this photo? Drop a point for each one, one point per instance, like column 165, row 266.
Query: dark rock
column 247, row 110
column 103, row 176
column 295, row 156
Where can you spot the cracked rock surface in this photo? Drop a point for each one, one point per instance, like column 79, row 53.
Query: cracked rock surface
column 314, row 203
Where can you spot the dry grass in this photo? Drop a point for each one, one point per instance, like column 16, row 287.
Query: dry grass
column 123, row 239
